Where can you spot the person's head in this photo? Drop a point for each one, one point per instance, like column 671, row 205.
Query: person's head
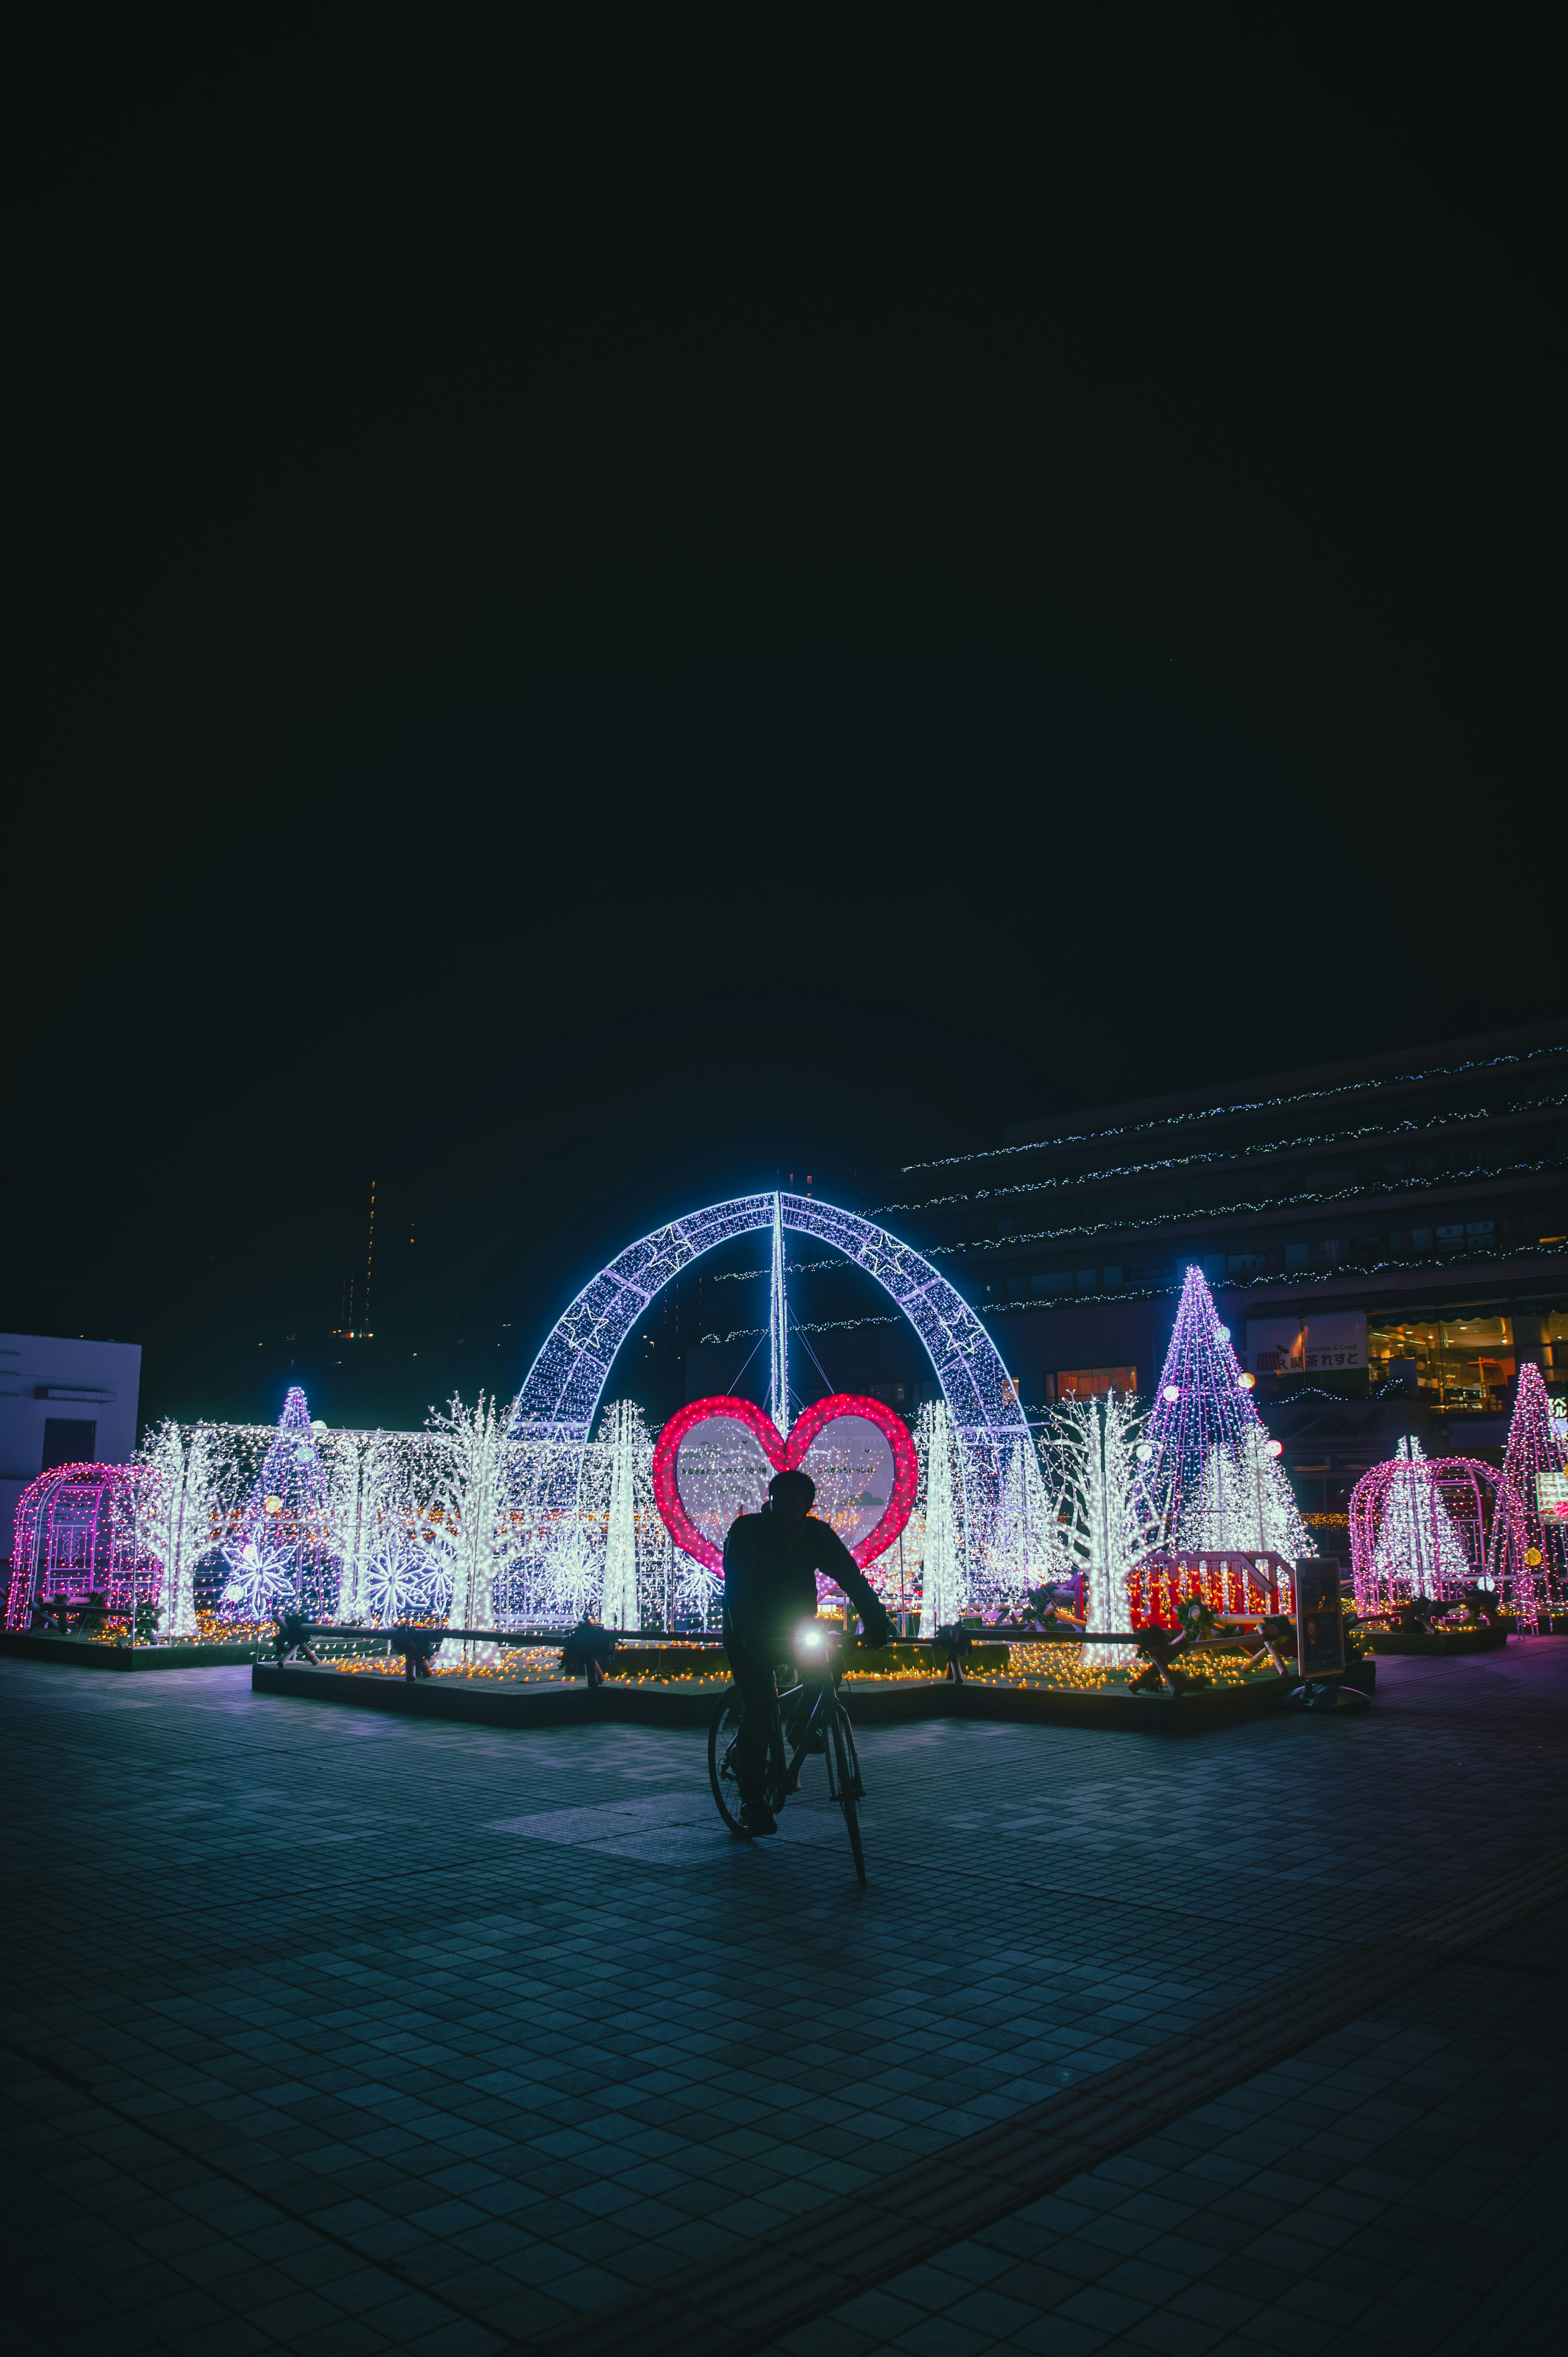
column 791, row 1496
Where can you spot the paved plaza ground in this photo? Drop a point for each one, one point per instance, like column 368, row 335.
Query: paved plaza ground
column 334, row 2032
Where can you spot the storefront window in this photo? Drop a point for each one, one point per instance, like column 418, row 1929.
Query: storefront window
column 1463, row 1366
column 1554, row 1331
column 1091, row 1383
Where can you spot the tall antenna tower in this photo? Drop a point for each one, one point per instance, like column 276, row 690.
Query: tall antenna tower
column 777, row 1329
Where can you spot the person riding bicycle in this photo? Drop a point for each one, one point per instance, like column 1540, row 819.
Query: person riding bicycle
column 771, row 1562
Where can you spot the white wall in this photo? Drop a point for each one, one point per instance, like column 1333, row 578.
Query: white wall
column 83, row 1381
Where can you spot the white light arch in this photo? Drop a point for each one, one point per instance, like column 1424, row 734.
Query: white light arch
column 556, row 1408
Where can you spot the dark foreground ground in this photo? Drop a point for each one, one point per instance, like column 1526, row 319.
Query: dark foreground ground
column 338, row 2034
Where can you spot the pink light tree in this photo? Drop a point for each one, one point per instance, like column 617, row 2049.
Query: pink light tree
column 1530, row 1557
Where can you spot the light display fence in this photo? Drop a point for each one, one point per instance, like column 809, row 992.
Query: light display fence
column 1251, row 1584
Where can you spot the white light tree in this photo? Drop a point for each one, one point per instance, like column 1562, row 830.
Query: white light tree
column 1110, row 1525
column 348, row 1460
column 1024, row 1550
column 945, row 1585
column 1243, row 1500
column 472, row 1526
column 1418, row 1545
column 188, row 1498
column 381, row 1490
column 622, row 1426
column 698, row 1591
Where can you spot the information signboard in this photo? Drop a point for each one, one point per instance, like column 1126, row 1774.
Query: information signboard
column 1332, row 1342
column 1552, row 1496
column 1319, row 1624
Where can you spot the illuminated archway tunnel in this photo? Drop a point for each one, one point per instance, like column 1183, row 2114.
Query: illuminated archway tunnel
column 560, row 1398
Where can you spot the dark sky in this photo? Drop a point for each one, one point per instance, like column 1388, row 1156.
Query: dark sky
column 591, row 624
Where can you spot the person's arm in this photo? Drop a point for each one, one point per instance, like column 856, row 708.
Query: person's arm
column 739, row 1561
column 836, row 1562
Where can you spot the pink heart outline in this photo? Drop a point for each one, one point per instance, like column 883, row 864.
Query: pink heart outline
column 783, row 1454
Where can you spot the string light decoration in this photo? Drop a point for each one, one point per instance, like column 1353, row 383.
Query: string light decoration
column 1530, row 1563
column 1256, row 1104
column 405, row 1516
column 1209, row 1481
column 1259, row 1148
column 620, row 1607
column 185, row 1504
column 383, row 1569
column 79, row 1532
column 1292, row 1280
column 714, row 1458
column 555, row 1407
column 1111, row 1521
column 1423, row 1528
column 747, row 1275
column 475, row 1533
column 282, row 1556
column 944, row 1598
column 1320, row 1197
column 819, row 1326
column 1027, row 1549
column 1258, row 1582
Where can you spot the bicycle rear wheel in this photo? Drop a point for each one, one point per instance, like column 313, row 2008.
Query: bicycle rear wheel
column 847, row 1777
column 723, row 1729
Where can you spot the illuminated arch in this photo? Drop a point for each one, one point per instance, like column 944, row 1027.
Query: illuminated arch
column 556, row 1405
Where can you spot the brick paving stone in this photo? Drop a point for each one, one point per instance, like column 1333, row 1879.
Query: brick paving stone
column 259, row 2064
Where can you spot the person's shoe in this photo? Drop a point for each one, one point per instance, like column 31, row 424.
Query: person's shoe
column 758, row 1819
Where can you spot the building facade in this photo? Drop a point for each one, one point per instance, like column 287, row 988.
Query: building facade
column 1387, row 1240
column 63, row 1401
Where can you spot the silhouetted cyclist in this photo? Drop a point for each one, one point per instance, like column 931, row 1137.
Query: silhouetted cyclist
column 771, row 1561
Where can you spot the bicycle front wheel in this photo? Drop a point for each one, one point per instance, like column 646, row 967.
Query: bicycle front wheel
column 723, row 1729
column 848, row 1779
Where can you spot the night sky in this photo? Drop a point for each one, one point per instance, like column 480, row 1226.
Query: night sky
column 592, row 627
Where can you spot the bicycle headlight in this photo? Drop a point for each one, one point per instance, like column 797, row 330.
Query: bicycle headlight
column 812, row 1643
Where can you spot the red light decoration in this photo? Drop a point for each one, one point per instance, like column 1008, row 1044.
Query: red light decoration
column 1231, row 1581
column 783, row 1454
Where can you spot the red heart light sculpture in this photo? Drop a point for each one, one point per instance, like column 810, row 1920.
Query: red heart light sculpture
column 741, row 1487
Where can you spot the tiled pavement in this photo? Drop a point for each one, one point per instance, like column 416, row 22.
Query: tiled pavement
column 341, row 2033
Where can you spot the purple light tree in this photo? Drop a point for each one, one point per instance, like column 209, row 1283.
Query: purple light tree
column 283, row 1558
column 1209, row 1470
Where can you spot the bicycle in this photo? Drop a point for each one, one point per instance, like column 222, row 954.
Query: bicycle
column 816, row 1721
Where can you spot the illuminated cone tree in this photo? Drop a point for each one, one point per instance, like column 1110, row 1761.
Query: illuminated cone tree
column 1535, row 1471
column 282, row 1559
column 1208, row 1480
